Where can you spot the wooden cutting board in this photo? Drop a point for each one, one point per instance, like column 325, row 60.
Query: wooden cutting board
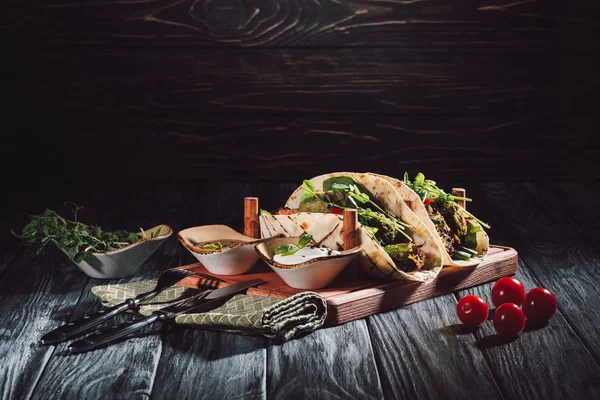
column 349, row 300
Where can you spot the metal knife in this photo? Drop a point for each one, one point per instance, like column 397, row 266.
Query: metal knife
column 204, row 303
column 89, row 322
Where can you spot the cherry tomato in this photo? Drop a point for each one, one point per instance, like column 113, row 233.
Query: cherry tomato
column 509, row 319
column 472, row 310
column 508, row 290
column 539, row 305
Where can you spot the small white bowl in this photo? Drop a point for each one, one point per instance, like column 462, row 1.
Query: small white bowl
column 234, row 259
column 123, row 262
column 315, row 273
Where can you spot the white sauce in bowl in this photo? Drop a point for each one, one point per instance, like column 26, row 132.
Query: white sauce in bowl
column 305, row 254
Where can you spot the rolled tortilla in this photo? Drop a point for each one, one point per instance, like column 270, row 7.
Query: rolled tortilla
column 327, row 229
column 418, row 208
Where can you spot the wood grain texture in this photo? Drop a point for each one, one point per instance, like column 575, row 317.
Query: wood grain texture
column 539, row 352
column 578, row 203
column 556, row 254
column 442, row 23
column 535, row 365
column 9, row 250
column 302, row 81
column 132, row 362
column 222, row 365
column 194, row 148
column 330, row 363
column 37, row 294
column 217, row 366
column 423, row 352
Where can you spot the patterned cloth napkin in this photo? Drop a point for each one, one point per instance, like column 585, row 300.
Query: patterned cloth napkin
column 272, row 317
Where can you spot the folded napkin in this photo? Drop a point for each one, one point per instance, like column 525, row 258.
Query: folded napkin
column 272, row 317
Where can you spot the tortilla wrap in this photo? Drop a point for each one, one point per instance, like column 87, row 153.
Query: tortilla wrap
column 417, row 207
column 327, row 229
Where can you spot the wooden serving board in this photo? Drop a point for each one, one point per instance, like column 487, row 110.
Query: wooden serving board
column 349, row 300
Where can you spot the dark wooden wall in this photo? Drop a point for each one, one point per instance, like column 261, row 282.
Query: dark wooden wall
column 114, row 91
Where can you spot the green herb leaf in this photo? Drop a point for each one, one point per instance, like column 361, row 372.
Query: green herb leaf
column 304, row 240
column 308, row 186
column 264, row 212
column 307, row 196
column 71, row 235
column 287, row 249
column 371, row 231
column 79, row 257
column 341, row 186
column 341, row 180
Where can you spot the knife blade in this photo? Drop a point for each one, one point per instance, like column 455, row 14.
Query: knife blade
column 89, row 322
column 200, row 304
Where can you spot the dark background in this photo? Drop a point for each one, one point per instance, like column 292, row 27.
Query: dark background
column 104, row 100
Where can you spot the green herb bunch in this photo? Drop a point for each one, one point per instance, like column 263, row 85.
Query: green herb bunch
column 78, row 239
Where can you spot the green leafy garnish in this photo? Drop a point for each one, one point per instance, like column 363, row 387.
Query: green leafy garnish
column 304, row 240
column 264, row 212
column 289, row 249
column 78, row 239
column 212, row 246
column 309, row 191
column 345, row 192
column 426, row 189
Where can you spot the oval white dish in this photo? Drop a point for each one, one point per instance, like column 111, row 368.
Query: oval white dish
column 315, row 273
column 125, row 261
column 233, row 259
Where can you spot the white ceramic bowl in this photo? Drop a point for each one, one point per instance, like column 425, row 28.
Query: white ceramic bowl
column 315, row 273
column 235, row 259
column 125, row 261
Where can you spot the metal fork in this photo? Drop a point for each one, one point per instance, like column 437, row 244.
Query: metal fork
column 87, row 323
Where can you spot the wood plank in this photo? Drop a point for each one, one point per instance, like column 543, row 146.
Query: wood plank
column 556, row 254
column 435, row 23
column 301, row 81
column 576, row 202
column 422, row 353
column 223, row 365
column 352, row 300
column 527, row 367
column 9, row 250
column 334, row 362
column 193, row 149
column 125, row 369
column 37, row 293
column 132, row 362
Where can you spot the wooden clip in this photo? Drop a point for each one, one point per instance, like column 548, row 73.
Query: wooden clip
column 460, row 192
column 351, row 239
column 251, row 226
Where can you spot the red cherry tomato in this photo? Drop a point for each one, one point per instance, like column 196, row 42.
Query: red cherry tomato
column 508, row 290
column 539, row 305
column 472, row 310
column 509, row 320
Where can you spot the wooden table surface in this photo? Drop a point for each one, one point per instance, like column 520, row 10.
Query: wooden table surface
column 417, row 351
